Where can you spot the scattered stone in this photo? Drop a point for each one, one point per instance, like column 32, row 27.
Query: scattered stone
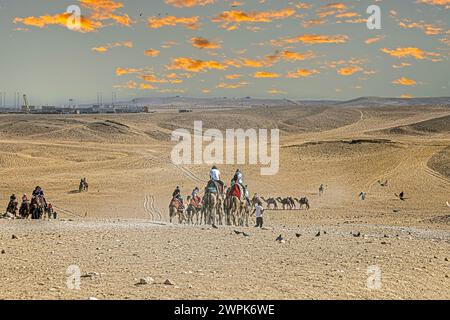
column 215, row 227
column 298, row 235
column 14, row 237
column 146, row 281
column 237, row 232
column 318, row 234
column 280, row 238
column 245, row 234
column 3, row 252
column 168, row 282
column 357, row 235
column 446, row 259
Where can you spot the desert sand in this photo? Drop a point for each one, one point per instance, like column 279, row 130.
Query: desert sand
column 118, row 232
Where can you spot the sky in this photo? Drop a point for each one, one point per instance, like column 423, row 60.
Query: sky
column 228, row 48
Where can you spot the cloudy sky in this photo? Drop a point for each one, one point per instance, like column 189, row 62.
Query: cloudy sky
column 216, row 48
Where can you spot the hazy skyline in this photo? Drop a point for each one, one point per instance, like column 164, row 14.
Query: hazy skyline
column 208, row 48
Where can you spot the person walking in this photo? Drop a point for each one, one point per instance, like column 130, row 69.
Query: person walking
column 259, row 210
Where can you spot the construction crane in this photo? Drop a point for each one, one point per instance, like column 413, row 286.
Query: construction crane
column 26, row 107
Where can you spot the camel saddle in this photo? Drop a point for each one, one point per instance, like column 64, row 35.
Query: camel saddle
column 237, row 190
column 214, row 187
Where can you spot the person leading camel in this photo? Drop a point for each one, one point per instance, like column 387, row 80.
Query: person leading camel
column 259, row 210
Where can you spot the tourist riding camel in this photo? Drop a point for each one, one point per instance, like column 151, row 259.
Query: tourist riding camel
column 176, row 195
column 214, row 175
column 12, row 205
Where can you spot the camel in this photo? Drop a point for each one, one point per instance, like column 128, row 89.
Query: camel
column 270, row 202
column 193, row 209
column 176, row 208
column 212, row 202
column 12, row 208
column 303, row 202
column 233, row 208
column 286, row 202
column 24, row 211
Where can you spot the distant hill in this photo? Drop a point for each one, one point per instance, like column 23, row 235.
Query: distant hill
column 379, row 102
column 248, row 102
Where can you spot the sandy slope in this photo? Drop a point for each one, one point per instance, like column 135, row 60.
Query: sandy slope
column 126, row 160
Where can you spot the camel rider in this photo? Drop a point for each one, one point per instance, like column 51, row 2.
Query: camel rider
column 196, row 200
column 238, row 177
column 13, row 199
column 24, row 198
column 177, row 195
column 214, row 174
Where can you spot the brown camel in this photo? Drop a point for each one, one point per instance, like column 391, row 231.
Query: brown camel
column 287, row 204
column 193, row 209
column 270, row 202
column 211, row 204
column 24, row 211
column 303, row 202
column 176, row 208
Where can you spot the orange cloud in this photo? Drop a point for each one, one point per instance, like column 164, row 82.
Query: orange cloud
column 266, row 75
column 405, row 82
column 152, row 52
column 188, row 3
column 375, row 39
column 99, row 11
column 348, row 71
column 302, row 73
column 445, row 3
column 232, row 19
column 203, row 43
column 188, row 22
column 124, row 71
column 410, row 52
column 233, row 76
column 192, row 65
column 427, row 28
column 313, row 39
column 102, row 49
column 224, row 85
column 295, row 56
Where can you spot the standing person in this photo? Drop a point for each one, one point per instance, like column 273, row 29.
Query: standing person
column 51, row 212
column 321, row 190
column 259, row 210
column 362, row 195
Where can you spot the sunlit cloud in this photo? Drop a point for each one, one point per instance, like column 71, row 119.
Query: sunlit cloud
column 188, row 3
column 99, row 13
column 266, row 75
column 172, row 21
column 302, row 73
column 410, row 52
column 231, row 20
column 202, row 43
column 193, row 65
column 405, row 82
